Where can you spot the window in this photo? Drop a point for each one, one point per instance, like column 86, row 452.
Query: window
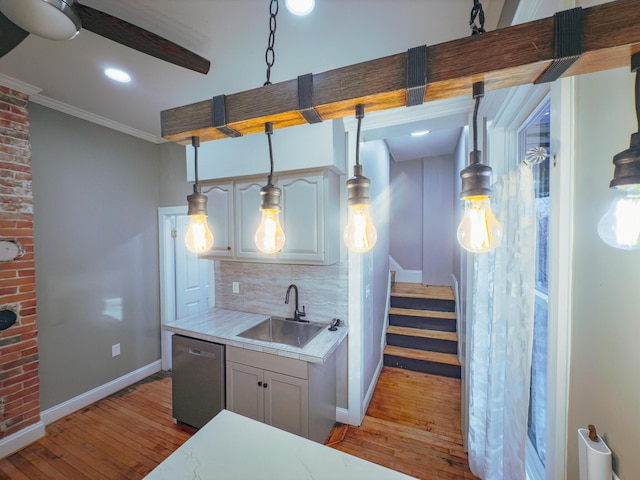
column 536, row 132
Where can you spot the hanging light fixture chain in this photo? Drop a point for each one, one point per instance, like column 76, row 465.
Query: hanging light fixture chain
column 270, row 54
column 477, row 12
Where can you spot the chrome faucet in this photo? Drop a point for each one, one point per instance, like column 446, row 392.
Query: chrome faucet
column 297, row 314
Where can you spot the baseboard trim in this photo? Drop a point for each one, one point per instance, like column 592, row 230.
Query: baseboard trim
column 402, row 275
column 372, row 387
column 342, row 415
column 21, row 439
column 76, row 403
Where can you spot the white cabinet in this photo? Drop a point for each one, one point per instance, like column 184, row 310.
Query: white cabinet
column 276, row 390
column 310, row 218
column 248, row 216
column 220, row 218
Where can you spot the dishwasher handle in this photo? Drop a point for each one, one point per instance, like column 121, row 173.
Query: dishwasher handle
column 196, row 352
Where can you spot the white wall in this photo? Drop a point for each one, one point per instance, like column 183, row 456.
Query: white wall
column 604, row 386
column 375, row 161
column 438, row 229
column 405, row 245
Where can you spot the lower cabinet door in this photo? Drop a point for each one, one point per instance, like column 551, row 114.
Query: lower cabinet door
column 286, row 403
column 245, row 390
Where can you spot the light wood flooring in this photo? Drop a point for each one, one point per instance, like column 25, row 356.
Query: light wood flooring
column 123, row 436
column 412, row 425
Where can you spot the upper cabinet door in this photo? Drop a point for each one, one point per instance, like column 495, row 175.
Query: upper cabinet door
column 302, row 217
column 248, row 216
column 220, row 212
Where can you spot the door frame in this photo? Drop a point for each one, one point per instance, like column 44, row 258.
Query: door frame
column 167, row 278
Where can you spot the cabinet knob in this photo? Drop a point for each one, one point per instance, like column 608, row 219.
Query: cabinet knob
column 259, row 384
column 265, row 385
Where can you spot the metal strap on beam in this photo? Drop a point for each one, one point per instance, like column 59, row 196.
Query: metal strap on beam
column 305, row 99
column 416, row 75
column 567, row 43
column 220, row 117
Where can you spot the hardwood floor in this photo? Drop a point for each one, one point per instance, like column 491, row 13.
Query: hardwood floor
column 412, row 425
column 123, row 436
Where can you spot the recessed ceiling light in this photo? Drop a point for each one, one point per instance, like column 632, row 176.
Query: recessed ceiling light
column 117, row 75
column 300, row 7
column 420, row 133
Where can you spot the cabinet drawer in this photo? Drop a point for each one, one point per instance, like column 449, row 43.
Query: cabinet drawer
column 267, row 361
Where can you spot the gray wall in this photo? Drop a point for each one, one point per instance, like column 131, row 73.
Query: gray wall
column 439, row 231
column 604, row 386
column 405, row 246
column 96, row 242
column 174, row 187
column 375, row 160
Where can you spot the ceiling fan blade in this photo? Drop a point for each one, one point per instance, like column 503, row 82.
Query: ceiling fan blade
column 10, row 35
column 139, row 39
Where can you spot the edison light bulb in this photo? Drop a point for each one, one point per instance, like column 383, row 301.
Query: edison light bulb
column 269, row 237
column 479, row 231
column 620, row 226
column 360, row 234
column 199, row 237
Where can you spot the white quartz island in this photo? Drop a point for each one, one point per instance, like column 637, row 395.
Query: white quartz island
column 232, row 447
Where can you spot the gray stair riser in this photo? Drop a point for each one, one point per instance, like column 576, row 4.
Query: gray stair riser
column 434, row 304
column 427, row 323
column 422, row 343
column 434, row 368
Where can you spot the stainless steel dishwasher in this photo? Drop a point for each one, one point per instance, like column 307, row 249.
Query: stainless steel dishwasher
column 198, row 382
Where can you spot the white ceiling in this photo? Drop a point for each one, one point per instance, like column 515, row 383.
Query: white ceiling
column 233, row 35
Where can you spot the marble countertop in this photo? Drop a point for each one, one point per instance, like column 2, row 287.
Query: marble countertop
column 223, row 326
column 234, row 447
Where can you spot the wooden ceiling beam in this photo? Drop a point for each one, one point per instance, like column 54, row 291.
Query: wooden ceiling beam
column 507, row 57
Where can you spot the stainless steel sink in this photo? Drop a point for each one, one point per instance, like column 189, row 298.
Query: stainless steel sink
column 283, row 330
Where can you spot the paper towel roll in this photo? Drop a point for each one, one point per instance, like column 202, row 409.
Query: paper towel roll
column 594, row 457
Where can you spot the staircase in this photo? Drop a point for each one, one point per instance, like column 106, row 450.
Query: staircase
column 422, row 330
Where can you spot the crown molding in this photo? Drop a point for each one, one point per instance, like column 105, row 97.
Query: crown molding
column 18, row 85
column 36, row 96
column 92, row 117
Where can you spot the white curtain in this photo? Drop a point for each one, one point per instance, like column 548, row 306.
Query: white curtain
column 502, row 335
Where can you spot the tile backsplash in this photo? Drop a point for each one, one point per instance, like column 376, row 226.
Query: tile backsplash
column 323, row 290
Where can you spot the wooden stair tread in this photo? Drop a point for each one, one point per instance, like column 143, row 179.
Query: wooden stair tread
column 447, row 358
column 416, row 290
column 411, row 312
column 423, row 333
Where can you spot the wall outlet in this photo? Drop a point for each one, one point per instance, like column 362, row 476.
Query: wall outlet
column 115, row 350
column 236, row 287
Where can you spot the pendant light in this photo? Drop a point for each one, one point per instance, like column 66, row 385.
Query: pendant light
column 269, row 237
column 199, row 238
column 479, row 230
column 360, row 234
column 620, row 226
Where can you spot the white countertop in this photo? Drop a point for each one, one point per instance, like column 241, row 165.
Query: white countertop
column 223, row 326
column 233, row 447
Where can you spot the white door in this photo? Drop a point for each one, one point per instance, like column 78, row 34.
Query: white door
column 192, row 274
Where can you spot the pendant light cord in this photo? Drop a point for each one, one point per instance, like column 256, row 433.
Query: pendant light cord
column 478, row 93
column 270, row 54
column 268, row 129
column 195, row 141
column 359, row 116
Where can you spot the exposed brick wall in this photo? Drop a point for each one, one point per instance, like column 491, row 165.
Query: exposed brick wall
column 19, row 381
